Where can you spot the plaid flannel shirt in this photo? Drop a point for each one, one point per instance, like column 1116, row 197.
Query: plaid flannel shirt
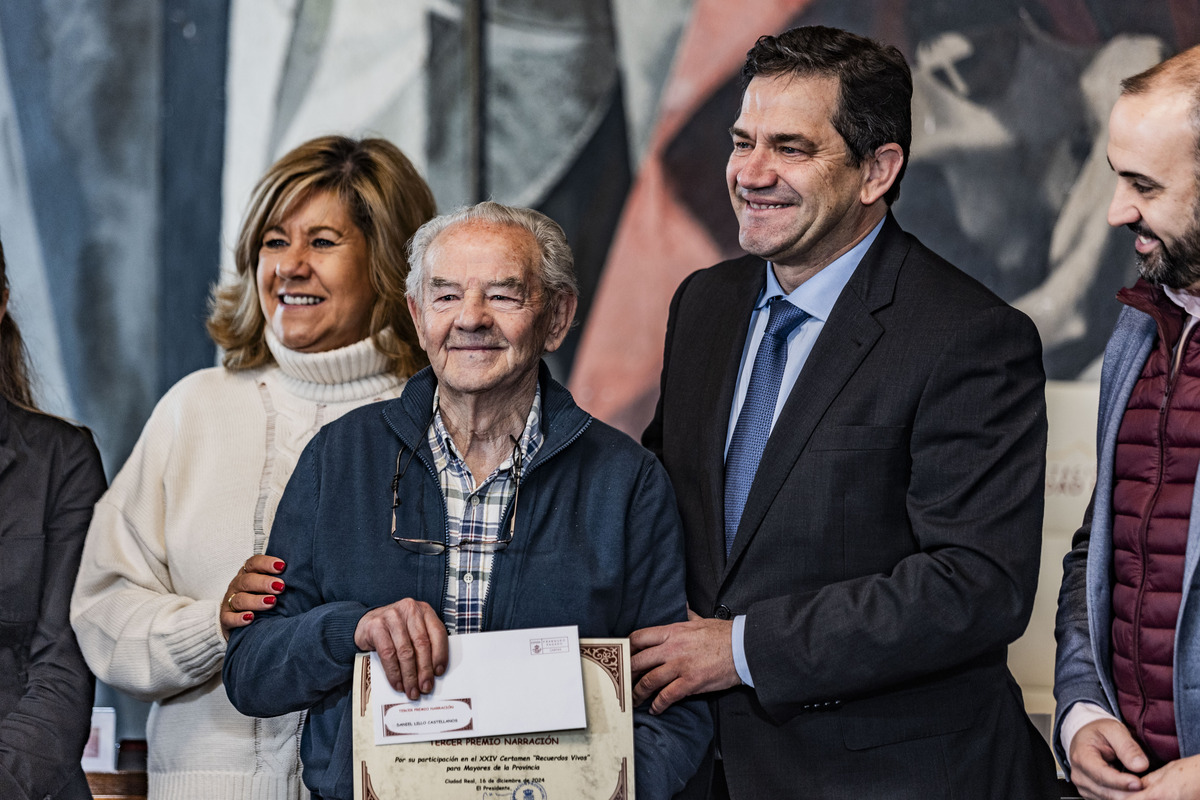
column 474, row 513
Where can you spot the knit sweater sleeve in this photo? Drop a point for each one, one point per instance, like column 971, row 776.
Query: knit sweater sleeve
column 136, row 632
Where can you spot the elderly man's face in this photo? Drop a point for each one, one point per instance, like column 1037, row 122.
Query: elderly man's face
column 483, row 317
column 1152, row 148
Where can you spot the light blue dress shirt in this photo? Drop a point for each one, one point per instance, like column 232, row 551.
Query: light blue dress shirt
column 815, row 296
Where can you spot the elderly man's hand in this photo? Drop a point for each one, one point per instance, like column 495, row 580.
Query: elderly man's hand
column 411, row 641
column 681, row 660
column 1179, row 780
column 254, row 588
column 1103, row 758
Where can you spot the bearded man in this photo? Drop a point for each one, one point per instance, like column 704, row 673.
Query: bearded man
column 1128, row 655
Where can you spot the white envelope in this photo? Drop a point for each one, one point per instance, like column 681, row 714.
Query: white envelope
column 497, row 683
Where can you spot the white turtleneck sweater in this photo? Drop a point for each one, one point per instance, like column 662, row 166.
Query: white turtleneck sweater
column 195, row 499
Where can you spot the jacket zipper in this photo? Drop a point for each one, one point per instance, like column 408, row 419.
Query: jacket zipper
column 486, row 615
column 1174, row 366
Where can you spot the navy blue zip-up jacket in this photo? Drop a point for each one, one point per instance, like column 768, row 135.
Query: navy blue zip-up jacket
column 598, row 544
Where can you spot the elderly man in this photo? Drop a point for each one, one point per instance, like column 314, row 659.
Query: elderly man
column 1128, row 654
column 856, row 432
column 482, row 499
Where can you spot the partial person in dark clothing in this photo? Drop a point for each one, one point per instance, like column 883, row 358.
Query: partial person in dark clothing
column 50, row 477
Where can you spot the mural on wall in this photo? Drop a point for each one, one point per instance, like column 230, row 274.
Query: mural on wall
column 134, row 133
column 1007, row 179
column 79, row 114
column 131, row 134
column 567, row 91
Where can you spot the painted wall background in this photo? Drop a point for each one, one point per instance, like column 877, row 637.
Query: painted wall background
column 131, row 132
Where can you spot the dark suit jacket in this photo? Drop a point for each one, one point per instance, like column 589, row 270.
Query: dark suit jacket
column 889, row 547
column 50, row 477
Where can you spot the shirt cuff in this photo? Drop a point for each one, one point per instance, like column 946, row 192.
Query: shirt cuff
column 1078, row 715
column 739, row 650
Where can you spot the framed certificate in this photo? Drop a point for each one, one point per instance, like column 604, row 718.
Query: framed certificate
column 595, row 763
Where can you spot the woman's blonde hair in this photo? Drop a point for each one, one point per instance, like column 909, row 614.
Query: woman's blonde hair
column 385, row 197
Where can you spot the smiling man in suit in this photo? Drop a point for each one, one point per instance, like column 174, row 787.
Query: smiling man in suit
column 856, row 434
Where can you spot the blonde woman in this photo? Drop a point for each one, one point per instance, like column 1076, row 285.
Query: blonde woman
column 314, row 326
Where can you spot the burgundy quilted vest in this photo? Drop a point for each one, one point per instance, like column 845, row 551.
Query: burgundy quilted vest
column 1158, row 448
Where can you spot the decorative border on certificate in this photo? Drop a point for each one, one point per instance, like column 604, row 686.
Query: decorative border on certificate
column 368, row 789
column 609, row 658
column 365, row 701
column 622, row 790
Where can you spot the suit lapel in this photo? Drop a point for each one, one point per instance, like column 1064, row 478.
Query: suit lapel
column 730, row 323
column 848, row 336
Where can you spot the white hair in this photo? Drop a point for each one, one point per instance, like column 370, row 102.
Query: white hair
column 556, row 268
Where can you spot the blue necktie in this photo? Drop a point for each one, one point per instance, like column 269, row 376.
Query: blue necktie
column 754, row 421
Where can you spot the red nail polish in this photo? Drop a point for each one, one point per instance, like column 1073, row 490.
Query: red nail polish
column 277, row 586
column 279, row 565
column 248, row 616
column 269, row 600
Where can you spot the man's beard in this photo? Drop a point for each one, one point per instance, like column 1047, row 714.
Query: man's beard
column 1176, row 265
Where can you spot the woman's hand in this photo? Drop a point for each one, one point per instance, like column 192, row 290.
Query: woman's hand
column 253, row 589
